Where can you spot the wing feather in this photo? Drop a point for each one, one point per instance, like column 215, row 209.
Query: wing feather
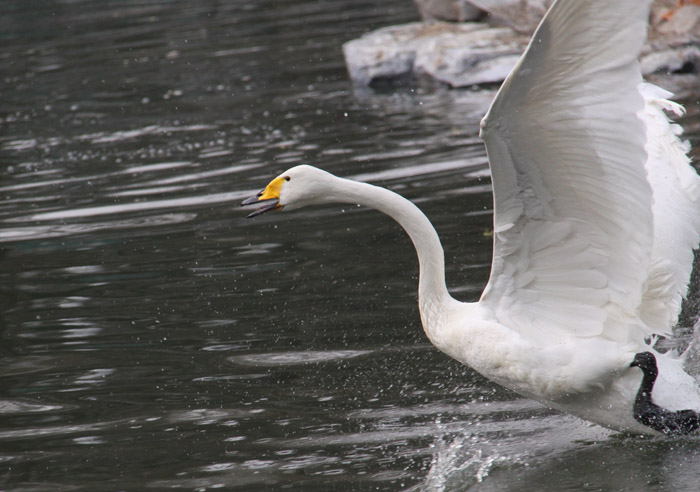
column 676, row 190
column 572, row 204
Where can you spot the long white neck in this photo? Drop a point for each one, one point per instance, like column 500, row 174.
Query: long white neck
column 433, row 297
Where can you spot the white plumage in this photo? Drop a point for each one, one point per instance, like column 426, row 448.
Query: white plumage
column 596, row 215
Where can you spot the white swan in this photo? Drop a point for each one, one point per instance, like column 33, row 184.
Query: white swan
column 596, row 215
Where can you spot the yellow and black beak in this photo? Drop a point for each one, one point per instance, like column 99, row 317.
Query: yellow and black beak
column 270, row 196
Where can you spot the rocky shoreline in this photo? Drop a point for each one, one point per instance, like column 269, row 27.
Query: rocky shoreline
column 467, row 54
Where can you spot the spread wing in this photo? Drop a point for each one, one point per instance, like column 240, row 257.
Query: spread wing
column 676, row 210
column 572, row 204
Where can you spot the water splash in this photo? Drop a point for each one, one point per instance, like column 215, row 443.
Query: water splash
column 463, row 461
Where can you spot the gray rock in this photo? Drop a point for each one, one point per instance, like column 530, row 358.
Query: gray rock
column 466, row 54
column 522, row 16
column 454, row 54
column 685, row 21
column 685, row 59
column 448, row 10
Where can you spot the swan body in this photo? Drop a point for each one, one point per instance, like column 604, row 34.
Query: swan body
column 596, row 215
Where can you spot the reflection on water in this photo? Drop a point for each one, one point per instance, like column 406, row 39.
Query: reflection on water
column 154, row 338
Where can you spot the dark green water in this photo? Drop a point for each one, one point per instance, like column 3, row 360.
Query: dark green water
column 153, row 339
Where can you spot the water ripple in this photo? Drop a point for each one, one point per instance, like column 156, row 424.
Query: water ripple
column 172, row 203
column 15, row 407
column 294, row 358
column 61, row 230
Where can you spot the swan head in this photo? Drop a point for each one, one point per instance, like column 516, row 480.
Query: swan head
column 646, row 362
column 294, row 188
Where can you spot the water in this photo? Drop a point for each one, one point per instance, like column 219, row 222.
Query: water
column 152, row 338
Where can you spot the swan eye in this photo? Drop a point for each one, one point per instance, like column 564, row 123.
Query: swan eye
column 287, row 178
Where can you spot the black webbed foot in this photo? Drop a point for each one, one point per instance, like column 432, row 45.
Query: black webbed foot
column 648, row 413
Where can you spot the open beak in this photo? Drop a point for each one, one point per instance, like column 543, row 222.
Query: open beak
column 268, row 204
column 269, row 197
